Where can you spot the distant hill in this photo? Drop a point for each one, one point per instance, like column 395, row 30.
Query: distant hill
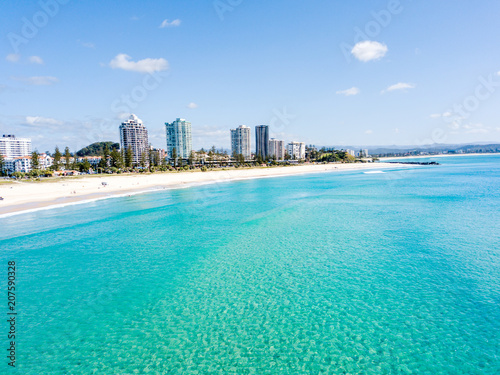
column 450, row 149
column 432, row 149
column 96, row 149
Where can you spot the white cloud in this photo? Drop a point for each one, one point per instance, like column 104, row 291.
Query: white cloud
column 439, row 115
column 349, row 92
column 88, row 45
column 37, row 81
column 206, row 136
column 369, row 50
column 123, row 61
column 399, row 86
column 476, row 129
column 369, row 131
column 192, row 105
column 174, row 23
column 41, row 121
column 36, row 60
column 13, row 57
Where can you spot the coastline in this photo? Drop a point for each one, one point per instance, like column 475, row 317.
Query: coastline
column 436, row 156
column 23, row 197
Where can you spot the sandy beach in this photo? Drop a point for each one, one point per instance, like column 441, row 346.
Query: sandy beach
column 22, row 196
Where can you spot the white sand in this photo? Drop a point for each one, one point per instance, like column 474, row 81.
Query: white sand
column 25, row 195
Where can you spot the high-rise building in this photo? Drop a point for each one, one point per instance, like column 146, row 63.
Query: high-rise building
column 12, row 147
column 134, row 135
column 277, row 149
column 240, row 141
column 179, row 137
column 296, row 150
column 262, row 141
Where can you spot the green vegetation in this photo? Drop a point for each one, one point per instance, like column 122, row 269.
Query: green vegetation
column 97, row 148
column 114, row 161
column 57, row 159
column 334, row 156
column 67, row 159
column 2, row 164
column 35, row 162
column 129, row 158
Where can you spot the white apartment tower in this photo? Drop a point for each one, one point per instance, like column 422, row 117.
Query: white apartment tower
column 12, row 147
column 134, row 135
column 240, row 141
column 277, row 149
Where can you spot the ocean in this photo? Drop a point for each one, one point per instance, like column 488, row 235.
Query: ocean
column 396, row 272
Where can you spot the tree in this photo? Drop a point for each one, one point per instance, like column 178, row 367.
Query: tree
column 144, row 159
column 129, row 158
column 57, row 159
column 96, row 149
column 67, row 159
column 85, row 166
column 35, row 162
column 174, row 156
column 258, row 159
column 191, row 158
column 104, row 159
column 2, row 164
column 116, row 158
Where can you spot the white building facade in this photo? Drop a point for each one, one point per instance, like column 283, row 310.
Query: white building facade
column 12, row 147
column 240, row 141
column 179, row 136
column 134, row 135
column 277, row 149
column 24, row 164
column 296, row 150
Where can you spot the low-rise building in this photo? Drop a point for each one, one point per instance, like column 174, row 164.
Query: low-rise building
column 24, row 163
column 296, row 150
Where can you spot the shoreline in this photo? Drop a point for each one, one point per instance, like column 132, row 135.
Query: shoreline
column 24, row 197
column 437, row 156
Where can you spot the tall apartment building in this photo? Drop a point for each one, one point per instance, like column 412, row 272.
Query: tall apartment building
column 277, row 149
column 134, row 135
column 296, row 150
column 179, row 137
column 240, row 141
column 262, row 141
column 12, row 147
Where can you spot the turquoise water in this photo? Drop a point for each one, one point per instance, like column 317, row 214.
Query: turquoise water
column 333, row 273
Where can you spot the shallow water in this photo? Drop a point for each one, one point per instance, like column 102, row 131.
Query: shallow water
column 331, row 273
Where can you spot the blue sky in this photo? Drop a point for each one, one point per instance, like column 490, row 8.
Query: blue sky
column 326, row 72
